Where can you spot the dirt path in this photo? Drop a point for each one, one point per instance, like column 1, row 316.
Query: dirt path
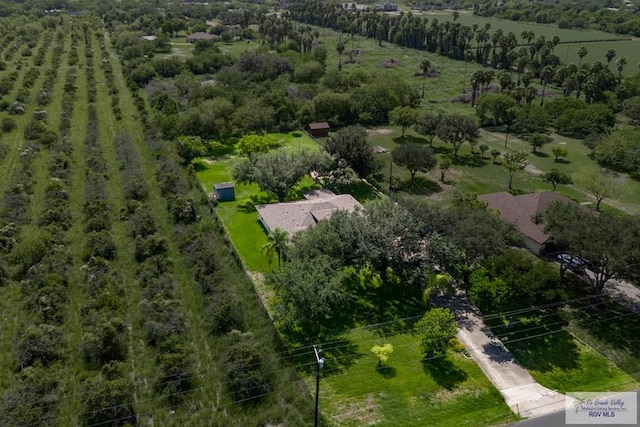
column 616, row 204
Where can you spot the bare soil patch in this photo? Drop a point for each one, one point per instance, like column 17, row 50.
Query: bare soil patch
column 379, row 131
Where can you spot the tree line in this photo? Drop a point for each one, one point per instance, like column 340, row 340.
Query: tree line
column 618, row 18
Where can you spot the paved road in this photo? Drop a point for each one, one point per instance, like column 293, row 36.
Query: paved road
column 520, row 391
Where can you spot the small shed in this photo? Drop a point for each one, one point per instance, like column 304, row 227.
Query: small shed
column 319, row 130
column 224, row 191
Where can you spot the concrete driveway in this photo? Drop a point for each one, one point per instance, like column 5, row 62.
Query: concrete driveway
column 624, row 293
column 521, row 392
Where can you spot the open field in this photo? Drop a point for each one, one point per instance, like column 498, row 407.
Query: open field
column 629, row 49
column 596, row 42
column 405, row 391
column 479, row 175
column 454, row 75
column 547, row 30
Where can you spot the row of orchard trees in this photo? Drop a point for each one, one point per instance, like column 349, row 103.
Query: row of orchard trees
column 33, row 259
column 111, row 278
column 199, row 313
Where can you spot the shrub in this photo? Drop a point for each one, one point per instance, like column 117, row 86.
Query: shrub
column 8, row 124
column 105, row 341
column 162, row 319
column 38, row 343
column 247, row 372
column 174, row 359
column 182, row 209
column 437, row 328
column 99, row 244
column 109, row 397
column 152, row 245
column 223, row 313
column 30, row 399
column 34, row 130
column 141, row 223
column 17, row 108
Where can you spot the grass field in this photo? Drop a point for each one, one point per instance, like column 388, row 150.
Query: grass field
column 596, row 42
column 405, row 391
column 479, row 175
column 547, row 30
column 454, row 75
column 558, row 360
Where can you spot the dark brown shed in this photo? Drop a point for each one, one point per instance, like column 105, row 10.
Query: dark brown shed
column 318, row 130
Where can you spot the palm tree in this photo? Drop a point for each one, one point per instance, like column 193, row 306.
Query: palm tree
column 611, row 53
column 340, row 48
column 468, row 57
column 277, row 243
column 620, row 63
column 546, row 75
column 582, row 52
column 425, row 66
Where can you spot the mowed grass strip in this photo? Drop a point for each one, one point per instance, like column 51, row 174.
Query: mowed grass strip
column 405, row 391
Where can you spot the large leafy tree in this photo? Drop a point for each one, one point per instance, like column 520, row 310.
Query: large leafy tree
column 631, row 108
column 494, row 109
column 456, row 129
column 383, row 238
column 311, row 298
column 403, row 117
column 428, row 125
column 556, row 177
column 436, row 328
column 514, row 162
column 610, row 243
column 276, row 172
column 191, row 147
column 414, row 157
column 252, row 143
column 352, row 145
column 620, row 150
column 471, row 234
column 598, row 184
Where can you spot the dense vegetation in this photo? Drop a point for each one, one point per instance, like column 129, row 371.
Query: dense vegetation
column 122, row 300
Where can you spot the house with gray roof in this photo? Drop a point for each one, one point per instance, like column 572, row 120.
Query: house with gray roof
column 521, row 211
column 192, row 38
column 299, row 215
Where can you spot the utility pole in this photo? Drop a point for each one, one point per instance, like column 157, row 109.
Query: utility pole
column 319, row 365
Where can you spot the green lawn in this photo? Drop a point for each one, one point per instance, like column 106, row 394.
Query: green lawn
column 563, row 363
column 548, row 30
column 596, row 42
column 581, row 347
column 405, row 391
column 239, row 216
column 479, row 175
column 611, row 330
